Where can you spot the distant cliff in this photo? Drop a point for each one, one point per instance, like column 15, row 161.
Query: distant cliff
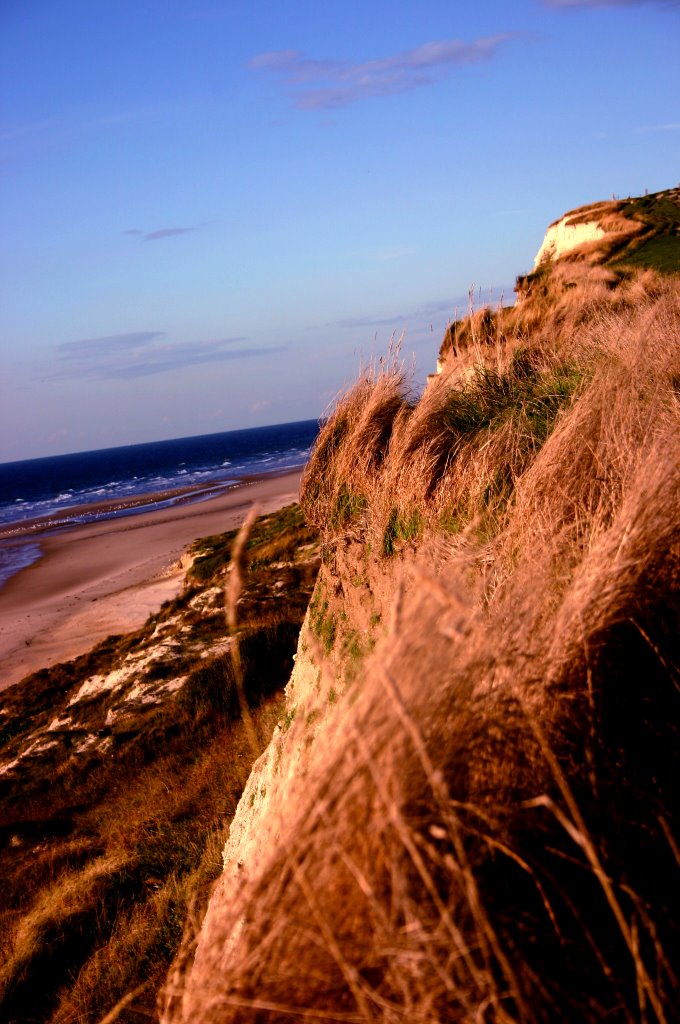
column 643, row 232
column 588, row 252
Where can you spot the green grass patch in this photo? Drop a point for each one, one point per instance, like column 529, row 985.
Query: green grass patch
column 661, row 253
column 274, row 537
column 657, row 211
column 401, row 527
column 352, row 646
column 490, row 398
column 322, row 621
column 450, row 521
column 347, row 508
column 659, row 248
column 289, row 718
column 213, row 555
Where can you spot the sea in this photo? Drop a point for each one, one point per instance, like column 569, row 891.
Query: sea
column 40, row 496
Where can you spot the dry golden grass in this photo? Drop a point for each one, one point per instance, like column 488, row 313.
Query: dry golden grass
column 455, row 457
column 352, row 446
column 490, row 833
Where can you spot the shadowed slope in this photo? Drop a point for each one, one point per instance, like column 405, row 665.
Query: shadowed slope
column 119, row 772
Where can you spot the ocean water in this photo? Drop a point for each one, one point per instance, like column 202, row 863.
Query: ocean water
column 64, row 490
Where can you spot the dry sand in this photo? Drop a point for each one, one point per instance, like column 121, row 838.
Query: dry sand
column 108, row 577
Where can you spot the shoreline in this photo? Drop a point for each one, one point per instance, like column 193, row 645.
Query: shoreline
column 136, row 504
column 108, row 575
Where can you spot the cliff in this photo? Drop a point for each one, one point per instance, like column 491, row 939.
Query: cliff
column 567, row 234
column 466, row 811
column 587, row 253
column 625, row 233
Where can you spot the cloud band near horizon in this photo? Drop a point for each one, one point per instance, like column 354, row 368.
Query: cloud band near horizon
column 140, row 354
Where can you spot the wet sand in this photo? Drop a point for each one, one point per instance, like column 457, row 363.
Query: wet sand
column 108, row 577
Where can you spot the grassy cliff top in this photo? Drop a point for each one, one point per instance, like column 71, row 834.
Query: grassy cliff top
column 642, row 232
column 636, row 236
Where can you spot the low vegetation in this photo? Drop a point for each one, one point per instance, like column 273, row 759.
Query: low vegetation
column 120, row 772
column 490, row 832
column 453, row 458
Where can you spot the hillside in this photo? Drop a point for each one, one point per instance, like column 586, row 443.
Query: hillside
column 468, row 812
column 593, row 254
column 625, row 234
column 120, row 772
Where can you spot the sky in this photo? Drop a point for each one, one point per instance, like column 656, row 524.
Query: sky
column 213, row 213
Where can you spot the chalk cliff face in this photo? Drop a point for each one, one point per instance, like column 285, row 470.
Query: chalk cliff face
column 565, row 235
column 275, row 777
column 346, row 619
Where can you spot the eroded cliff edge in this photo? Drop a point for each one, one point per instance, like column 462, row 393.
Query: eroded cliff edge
column 459, row 811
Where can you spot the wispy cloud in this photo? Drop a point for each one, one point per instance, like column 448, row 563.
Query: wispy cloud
column 141, row 354
column 153, row 236
column 260, row 404
column 110, row 344
column 437, row 311
column 322, row 84
column 669, row 126
column 396, row 320
column 564, row 4
column 13, row 133
column 158, row 233
column 641, row 129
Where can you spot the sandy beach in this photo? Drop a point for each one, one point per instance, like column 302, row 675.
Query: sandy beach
column 108, row 577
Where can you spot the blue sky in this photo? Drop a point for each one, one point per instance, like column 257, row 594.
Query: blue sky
column 213, row 210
